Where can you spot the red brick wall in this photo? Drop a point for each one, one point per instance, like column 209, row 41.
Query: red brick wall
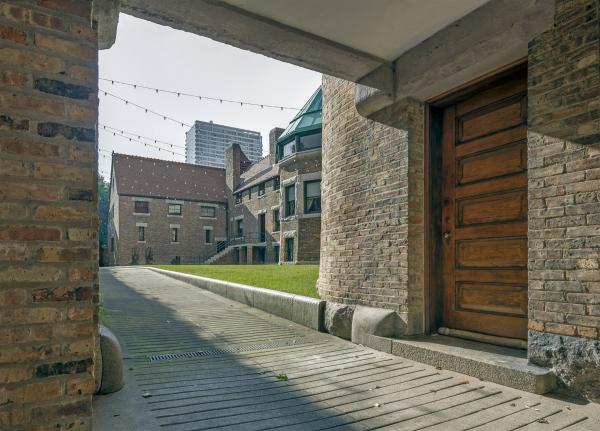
column 48, row 217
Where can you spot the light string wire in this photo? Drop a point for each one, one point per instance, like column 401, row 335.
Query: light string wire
column 146, row 144
column 198, row 96
column 146, row 109
column 125, row 132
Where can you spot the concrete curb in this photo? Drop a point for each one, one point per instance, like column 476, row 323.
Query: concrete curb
column 309, row 312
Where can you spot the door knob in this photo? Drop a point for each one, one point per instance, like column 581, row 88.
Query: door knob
column 447, row 235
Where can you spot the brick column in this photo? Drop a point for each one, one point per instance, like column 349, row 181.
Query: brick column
column 564, row 197
column 372, row 216
column 48, row 214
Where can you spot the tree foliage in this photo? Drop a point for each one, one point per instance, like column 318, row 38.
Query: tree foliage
column 103, row 204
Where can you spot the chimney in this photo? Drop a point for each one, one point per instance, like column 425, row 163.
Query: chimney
column 233, row 156
column 274, row 134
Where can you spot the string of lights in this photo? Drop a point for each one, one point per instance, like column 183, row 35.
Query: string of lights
column 197, row 96
column 146, row 144
column 146, row 109
column 125, row 132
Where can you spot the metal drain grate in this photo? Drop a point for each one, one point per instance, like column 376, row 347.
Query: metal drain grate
column 226, row 350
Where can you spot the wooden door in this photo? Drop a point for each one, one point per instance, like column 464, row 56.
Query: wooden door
column 484, row 211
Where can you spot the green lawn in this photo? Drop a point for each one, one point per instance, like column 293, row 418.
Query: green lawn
column 296, row 279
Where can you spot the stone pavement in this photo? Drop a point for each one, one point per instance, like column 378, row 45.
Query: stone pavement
column 197, row 361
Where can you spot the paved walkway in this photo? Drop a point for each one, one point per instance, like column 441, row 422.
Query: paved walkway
column 248, row 370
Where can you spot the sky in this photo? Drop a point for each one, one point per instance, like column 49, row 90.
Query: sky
column 160, row 57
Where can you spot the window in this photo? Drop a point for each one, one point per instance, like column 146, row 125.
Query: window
column 276, row 222
column 309, row 142
column 290, row 200
column 261, row 189
column 276, row 183
column 211, row 212
column 312, row 197
column 208, row 236
column 289, row 249
column 141, row 207
column 239, row 228
column 276, row 253
column 238, row 198
column 174, row 209
column 174, row 234
column 141, row 233
column 250, row 193
column 289, row 149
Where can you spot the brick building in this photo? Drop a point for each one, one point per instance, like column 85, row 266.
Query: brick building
column 276, row 202
column 164, row 212
column 405, row 75
column 263, row 212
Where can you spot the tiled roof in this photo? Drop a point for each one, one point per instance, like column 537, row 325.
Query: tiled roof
column 257, row 173
column 142, row 176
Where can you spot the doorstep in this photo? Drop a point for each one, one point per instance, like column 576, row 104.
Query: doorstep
column 503, row 365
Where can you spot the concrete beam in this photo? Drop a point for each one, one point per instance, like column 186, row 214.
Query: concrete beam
column 490, row 37
column 242, row 29
column 106, row 15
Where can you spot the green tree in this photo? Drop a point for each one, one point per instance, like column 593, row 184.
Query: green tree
column 103, row 205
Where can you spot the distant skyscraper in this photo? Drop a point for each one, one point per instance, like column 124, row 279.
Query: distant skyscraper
column 205, row 143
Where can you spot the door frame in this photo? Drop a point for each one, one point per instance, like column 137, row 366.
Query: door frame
column 434, row 291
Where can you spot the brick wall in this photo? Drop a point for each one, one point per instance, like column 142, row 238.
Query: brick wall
column 564, row 175
column 564, row 196
column 306, row 228
column 250, row 208
column 365, row 229
column 48, row 229
column 192, row 247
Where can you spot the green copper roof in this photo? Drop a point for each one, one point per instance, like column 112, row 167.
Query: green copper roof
column 309, row 118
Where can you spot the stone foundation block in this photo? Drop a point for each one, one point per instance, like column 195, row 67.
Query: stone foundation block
column 575, row 361
column 308, row 312
column 273, row 302
column 112, row 362
column 241, row 293
column 373, row 321
column 338, row 319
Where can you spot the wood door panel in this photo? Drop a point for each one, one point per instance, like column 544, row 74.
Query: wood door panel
column 484, row 123
column 499, row 162
column 516, row 276
column 490, row 142
column 516, row 83
column 484, row 211
column 492, row 253
column 502, row 184
column 510, row 299
column 503, row 207
column 491, row 231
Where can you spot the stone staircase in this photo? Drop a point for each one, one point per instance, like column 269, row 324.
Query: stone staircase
column 220, row 255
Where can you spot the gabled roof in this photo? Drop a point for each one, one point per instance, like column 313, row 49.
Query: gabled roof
column 143, row 176
column 309, row 118
column 257, row 173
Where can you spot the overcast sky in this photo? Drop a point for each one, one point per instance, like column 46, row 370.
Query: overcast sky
column 161, row 57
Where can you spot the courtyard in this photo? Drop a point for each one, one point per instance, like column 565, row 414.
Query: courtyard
column 233, row 367
column 296, row 279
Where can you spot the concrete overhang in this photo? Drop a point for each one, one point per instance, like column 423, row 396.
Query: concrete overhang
column 487, row 39
column 396, row 49
column 357, row 40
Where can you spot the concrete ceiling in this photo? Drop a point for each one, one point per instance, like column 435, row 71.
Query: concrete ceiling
column 382, row 28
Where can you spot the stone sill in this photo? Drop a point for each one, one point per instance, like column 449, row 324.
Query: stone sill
column 503, row 365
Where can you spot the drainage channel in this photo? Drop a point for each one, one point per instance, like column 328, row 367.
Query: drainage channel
column 228, row 350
